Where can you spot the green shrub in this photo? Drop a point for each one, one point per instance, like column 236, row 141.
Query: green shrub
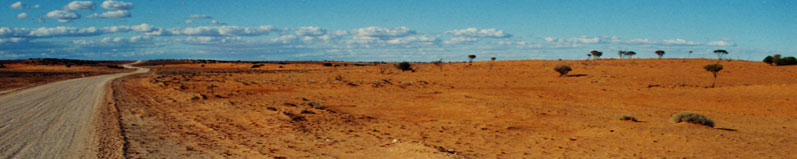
column 788, row 61
column 627, row 117
column 562, row 69
column 404, row 66
column 768, row 60
column 692, row 118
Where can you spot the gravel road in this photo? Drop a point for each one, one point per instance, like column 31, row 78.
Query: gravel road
column 53, row 120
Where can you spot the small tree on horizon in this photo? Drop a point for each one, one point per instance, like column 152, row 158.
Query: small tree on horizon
column 630, row 54
column 720, row 53
column 713, row 68
column 621, row 53
column 439, row 64
column 596, row 54
column 769, row 60
column 660, row 53
column 492, row 60
column 471, row 57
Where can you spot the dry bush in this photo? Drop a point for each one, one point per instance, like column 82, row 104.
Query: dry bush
column 692, row 118
column 627, row 117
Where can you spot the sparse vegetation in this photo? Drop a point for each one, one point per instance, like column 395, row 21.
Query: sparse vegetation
column 692, row 118
column 769, row 60
column 660, row 53
column 439, row 64
column 562, row 69
column 257, row 65
column 327, row 64
column 627, row 117
column 713, row 68
column 316, row 105
column 471, row 57
column 720, row 53
column 620, row 53
column 404, row 66
column 778, row 61
column 595, row 54
column 629, row 54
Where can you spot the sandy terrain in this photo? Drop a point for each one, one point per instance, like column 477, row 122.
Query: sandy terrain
column 20, row 75
column 55, row 120
column 517, row 109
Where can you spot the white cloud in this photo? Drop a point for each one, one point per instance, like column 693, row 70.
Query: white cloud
column 62, row 31
column 116, row 29
column 720, row 43
column 584, row 40
column 209, row 40
column 80, row 5
column 188, row 21
column 112, row 14
column 478, row 33
column 36, row 6
column 116, row 5
column 285, row 39
column 63, row 16
column 143, row 27
column 679, row 41
column 18, row 5
column 22, row 15
column 217, row 22
column 383, row 33
column 200, row 16
column 414, row 39
column 460, row 39
column 310, row 31
column 13, row 40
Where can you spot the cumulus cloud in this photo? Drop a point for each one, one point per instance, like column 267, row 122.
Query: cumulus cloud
column 383, row 33
column 310, row 31
column 478, row 33
column 720, row 43
column 217, row 22
column 63, row 31
column 116, row 5
column 143, row 27
column 80, row 5
column 460, row 39
column 188, row 21
column 18, row 5
column 206, row 31
column 13, row 40
column 63, row 16
column 414, row 39
column 200, row 16
column 22, row 15
column 112, row 14
column 679, row 41
column 196, row 40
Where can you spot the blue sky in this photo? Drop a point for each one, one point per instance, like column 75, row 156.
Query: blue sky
column 420, row 30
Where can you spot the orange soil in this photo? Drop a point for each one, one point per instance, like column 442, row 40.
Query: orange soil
column 15, row 76
column 517, row 109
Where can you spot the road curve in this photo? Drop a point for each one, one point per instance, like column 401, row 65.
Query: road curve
column 53, row 120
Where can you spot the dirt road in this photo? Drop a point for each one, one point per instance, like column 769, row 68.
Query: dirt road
column 53, row 120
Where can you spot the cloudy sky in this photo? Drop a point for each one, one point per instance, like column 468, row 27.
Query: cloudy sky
column 405, row 30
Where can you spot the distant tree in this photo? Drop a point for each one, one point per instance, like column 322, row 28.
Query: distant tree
column 776, row 59
column 769, row 60
column 492, row 60
column 471, row 57
column 660, row 53
column 713, row 68
column 589, row 56
column 439, row 64
column 791, row 60
column 596, row 54
column 404, row 66
column 562, row 69
column 720, row 53
column 630, row 54
column 621, row 53
column 690, row 53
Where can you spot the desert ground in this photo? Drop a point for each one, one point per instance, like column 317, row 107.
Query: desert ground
column 19, row 74
column 502, row 109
